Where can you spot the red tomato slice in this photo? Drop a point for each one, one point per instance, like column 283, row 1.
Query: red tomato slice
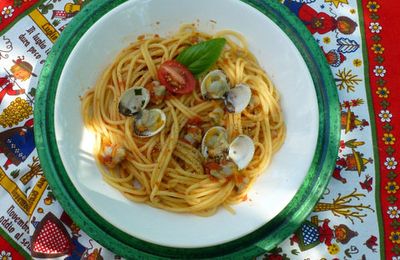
column 176, row 77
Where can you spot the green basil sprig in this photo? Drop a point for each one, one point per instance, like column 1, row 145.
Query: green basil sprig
column 200, row 57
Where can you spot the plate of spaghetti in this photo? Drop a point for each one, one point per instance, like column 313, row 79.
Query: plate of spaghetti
column 188, row 129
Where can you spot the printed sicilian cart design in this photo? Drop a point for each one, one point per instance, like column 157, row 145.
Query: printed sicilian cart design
column 35, row 215
column 23, row 187
column 20, row 176
column 343, row 224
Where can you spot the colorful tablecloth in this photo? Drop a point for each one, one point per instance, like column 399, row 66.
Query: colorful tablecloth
column 358, row 216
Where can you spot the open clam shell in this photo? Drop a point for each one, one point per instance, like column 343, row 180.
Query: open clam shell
column 214, row 85
column 238, row 98
column 215, row 143
column 149, row 122
column 133, row 100
column 241, row 151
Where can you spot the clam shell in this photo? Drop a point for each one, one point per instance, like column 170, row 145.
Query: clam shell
column 214, row 85
column 133, row 100
column 149, row 122
column 216, row 141
column 238, row 98
column 241, row 151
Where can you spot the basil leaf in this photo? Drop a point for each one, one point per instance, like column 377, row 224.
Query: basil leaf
column 200, row 57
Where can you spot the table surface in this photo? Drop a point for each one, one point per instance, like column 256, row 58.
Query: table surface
column 358, row 215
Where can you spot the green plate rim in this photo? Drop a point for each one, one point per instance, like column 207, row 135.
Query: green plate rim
column 263, row 239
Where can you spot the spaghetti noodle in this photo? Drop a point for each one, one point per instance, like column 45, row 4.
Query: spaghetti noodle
column 166, row 171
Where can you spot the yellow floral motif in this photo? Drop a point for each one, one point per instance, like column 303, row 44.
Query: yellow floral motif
column 352, row 11
column 373, row 6
column 357, row 62
column 392, row 187
column 395, row 237
column 377, row 48
column 389, row 139
column 333, row 249
column 326, row 40
column 383, row 92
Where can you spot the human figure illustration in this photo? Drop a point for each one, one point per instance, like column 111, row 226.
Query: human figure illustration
column 21, row 70
column 17, row 143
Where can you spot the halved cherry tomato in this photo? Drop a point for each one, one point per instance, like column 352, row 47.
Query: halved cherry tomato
column 176, row 77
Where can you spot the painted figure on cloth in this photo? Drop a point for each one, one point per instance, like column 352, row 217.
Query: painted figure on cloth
column 17, row 143
column 311, row 234
column 354, row 162
column 79, row 251
column 320, row 22
column 21, row 70
column 70, row 10
column 371, row 243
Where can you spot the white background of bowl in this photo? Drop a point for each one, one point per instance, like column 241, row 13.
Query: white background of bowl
column 277, row 55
